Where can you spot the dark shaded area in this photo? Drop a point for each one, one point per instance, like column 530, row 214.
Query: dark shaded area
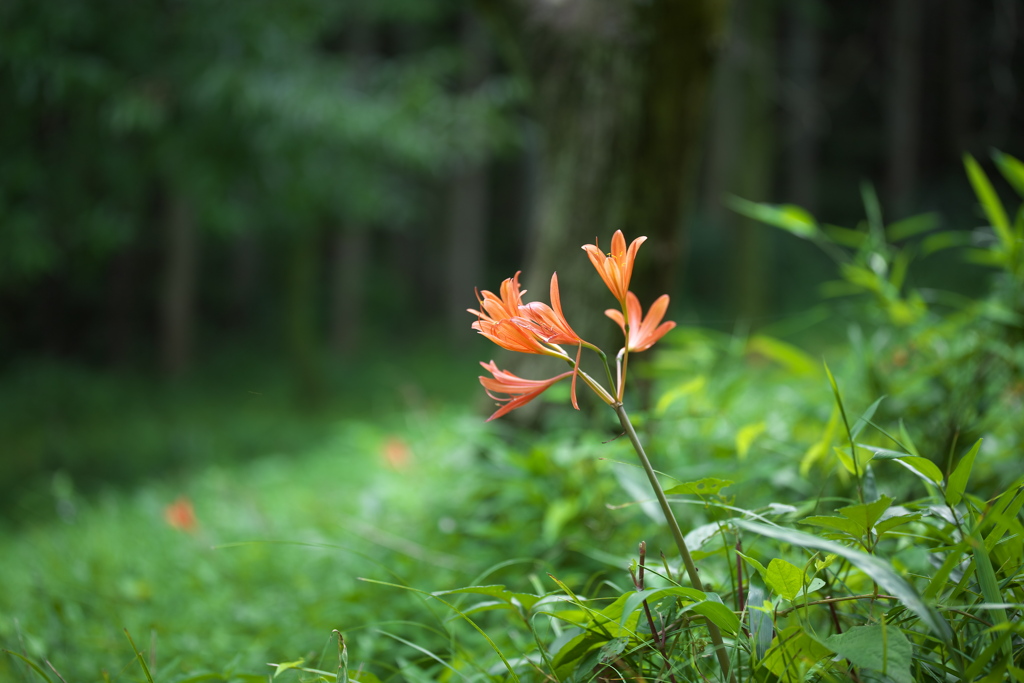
column 306, row 183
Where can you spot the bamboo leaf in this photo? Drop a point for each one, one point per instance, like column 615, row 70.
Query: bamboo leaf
column 957, row 483
column 989, row 201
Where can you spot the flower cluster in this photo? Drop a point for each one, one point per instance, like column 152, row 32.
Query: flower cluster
column 539, row 328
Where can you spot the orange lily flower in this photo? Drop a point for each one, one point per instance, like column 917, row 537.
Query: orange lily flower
column 549, row 324
column 615, row 268
column 642, row 333
column 519, row 391
column 499, row 320
column 181, row 515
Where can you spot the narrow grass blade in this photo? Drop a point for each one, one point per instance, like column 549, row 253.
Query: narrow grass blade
column 140, row 657
column 35, row 667
column 989, row 201
column 878, row 570
column 957, row 483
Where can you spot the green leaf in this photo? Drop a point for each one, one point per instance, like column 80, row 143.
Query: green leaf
column 866, row 514
column 746, row 436
column 784, row 579
column 921, row 467
column 1012, row 169
column 280, row 668
column 941, row 241
column 957, row 483
column 759, row 620
column 841, row 524
column 787, row 355
column 914, row 225
column 789, row 217
column 876, row 569
column 709, row 486
column 693, row 386
column 753, row 563
column 880, row 648
column 989, row 202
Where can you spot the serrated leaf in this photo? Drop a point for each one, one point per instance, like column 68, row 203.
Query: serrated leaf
column 709, row 486
column 784, row 579
column 877, row 570
column 880, row 648
column 958, row 479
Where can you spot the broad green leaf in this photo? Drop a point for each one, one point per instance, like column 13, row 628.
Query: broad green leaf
column 709, row 486
column 989, row 201
column 880, row 648
column 1012, row 169
column 746, row 436
column 784, row 579
column 866, row 514
column 812, row 587
column 793, row 653
column 877, row 569
column 890, row 523
column 958, row 479
column 612, row 649
column 785, row 354
column 717, row 613
column 632, row 600
column 789, row 217
column 914, row 225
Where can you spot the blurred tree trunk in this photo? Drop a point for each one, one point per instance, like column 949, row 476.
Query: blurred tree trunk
column 243, row 278
column 619, row 91
column 957, row 78
column 301, row 326
column 350, row 256
column 904, row 100
column 468, row 200
column 742, row 153
column 178, row 296
column 801, row 96
column 1006, row 30
column 122, row 305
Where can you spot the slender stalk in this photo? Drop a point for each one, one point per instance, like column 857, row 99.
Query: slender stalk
column 677, row 534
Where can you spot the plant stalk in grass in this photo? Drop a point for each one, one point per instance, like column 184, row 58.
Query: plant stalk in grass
column 677, row 534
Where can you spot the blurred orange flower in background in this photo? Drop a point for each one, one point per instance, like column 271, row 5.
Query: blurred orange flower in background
column 181, row 515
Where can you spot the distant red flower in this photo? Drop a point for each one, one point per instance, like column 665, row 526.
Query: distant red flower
column 518, row 391
column 396, row 453
column 181, row 515
column 642, row 333
column 616, row 267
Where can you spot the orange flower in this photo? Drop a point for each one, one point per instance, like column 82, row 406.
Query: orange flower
column 499, row 320
column 615, row 268
column 548, row 322
column 642, row 332
column 181, row 515
column 519, row 391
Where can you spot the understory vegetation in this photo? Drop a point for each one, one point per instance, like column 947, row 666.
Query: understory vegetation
column 854, row 511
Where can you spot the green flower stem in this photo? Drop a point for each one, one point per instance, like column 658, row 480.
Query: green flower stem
column 691, row 568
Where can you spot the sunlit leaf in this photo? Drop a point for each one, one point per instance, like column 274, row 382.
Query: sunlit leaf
column 989, row 201
column 784, row 579
column 789, row 217
column 1012, row 169
column 746, row 436
column 787, row 355
column 960, row 475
